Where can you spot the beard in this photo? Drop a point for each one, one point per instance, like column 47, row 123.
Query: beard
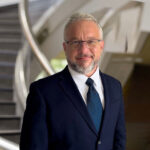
column 80, row 68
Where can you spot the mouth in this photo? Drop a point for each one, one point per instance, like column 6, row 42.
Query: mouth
column 84, row 57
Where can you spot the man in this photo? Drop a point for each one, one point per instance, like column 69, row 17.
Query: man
column 79, row 108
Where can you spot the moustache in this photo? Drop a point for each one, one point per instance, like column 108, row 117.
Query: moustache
column 84, row 55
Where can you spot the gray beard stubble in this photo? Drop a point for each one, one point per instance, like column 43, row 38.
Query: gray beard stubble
column 81, row 69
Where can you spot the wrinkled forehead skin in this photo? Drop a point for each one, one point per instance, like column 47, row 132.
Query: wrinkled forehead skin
column 82, row 30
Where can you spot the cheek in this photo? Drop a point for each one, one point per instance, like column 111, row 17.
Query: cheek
column 97, row 54
column 71, row 54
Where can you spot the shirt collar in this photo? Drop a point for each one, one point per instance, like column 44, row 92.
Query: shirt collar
column 81, row 77
column 96, row 76
column 77, row 76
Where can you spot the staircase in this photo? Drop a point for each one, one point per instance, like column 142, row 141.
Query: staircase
column 10, row 43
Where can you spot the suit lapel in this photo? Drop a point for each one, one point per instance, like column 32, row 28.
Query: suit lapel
column 107, row 104
column 70, row 89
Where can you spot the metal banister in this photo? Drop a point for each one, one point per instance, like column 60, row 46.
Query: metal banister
column 20, row 79
column 31, row 38
column 7, row 145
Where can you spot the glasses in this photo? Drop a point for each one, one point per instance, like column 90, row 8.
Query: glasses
column 78, row 43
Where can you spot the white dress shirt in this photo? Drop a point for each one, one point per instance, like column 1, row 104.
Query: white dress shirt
column 80, row 80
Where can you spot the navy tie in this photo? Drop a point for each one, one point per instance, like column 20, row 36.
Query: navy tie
column 94, row 105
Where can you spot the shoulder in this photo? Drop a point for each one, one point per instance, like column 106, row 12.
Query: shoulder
column 111, row 83
column 112, row 87
column 109, row 78
column 47, row 82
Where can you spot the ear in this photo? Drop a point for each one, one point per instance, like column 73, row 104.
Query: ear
column 64, row 46
column 102, row 44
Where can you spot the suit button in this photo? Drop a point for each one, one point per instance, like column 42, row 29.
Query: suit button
column 99, row 142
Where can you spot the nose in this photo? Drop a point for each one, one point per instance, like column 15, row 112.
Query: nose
column 83, row 47
column 83, row 43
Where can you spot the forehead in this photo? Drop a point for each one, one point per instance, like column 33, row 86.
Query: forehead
column 82, row 29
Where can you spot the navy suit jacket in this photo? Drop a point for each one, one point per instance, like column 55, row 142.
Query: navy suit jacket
column 56, row 117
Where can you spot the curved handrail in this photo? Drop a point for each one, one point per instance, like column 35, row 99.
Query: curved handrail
column 31, row 39
column 8, row 145
column 20, row 75
column 21, row 89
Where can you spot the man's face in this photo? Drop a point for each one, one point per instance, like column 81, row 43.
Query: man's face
column 83, row 57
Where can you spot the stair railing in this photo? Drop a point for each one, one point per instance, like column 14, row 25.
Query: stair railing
column 7, row 145
column 21, row 77
column 31, row 38
column 21, row 89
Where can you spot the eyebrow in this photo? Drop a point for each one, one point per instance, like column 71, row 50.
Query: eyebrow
column 88, row 38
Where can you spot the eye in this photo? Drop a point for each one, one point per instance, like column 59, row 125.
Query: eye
column 75, row 42
column 91, row 42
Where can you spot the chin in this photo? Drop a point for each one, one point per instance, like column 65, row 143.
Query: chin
column 82, row 67
column 85, row 65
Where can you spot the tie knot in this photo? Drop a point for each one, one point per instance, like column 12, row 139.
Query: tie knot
column 89, row 82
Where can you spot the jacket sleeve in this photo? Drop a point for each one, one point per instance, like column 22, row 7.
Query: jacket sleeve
column 34, row 134
column 120, row 132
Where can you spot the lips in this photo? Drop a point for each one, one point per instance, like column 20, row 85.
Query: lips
column 84, row 57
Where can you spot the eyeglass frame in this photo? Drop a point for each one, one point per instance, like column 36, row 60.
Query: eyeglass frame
column 79, row 42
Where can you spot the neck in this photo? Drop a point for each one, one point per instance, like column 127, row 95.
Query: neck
column 92, row 72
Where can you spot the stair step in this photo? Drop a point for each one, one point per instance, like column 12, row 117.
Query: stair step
column 9, row 122
column 10, row 43
column 9, row 26
column 12, row 135
column 9, row 40
column 6, row 94
column 6, row 68
column 6, row 81
column 7, row 51
column 7, row 108
column 8, row 15
column 9, row 131
column 7, row 31
column 10, row 9
column 6, row 63
column 11, row 35
column 10, row 22
column 8, row 57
